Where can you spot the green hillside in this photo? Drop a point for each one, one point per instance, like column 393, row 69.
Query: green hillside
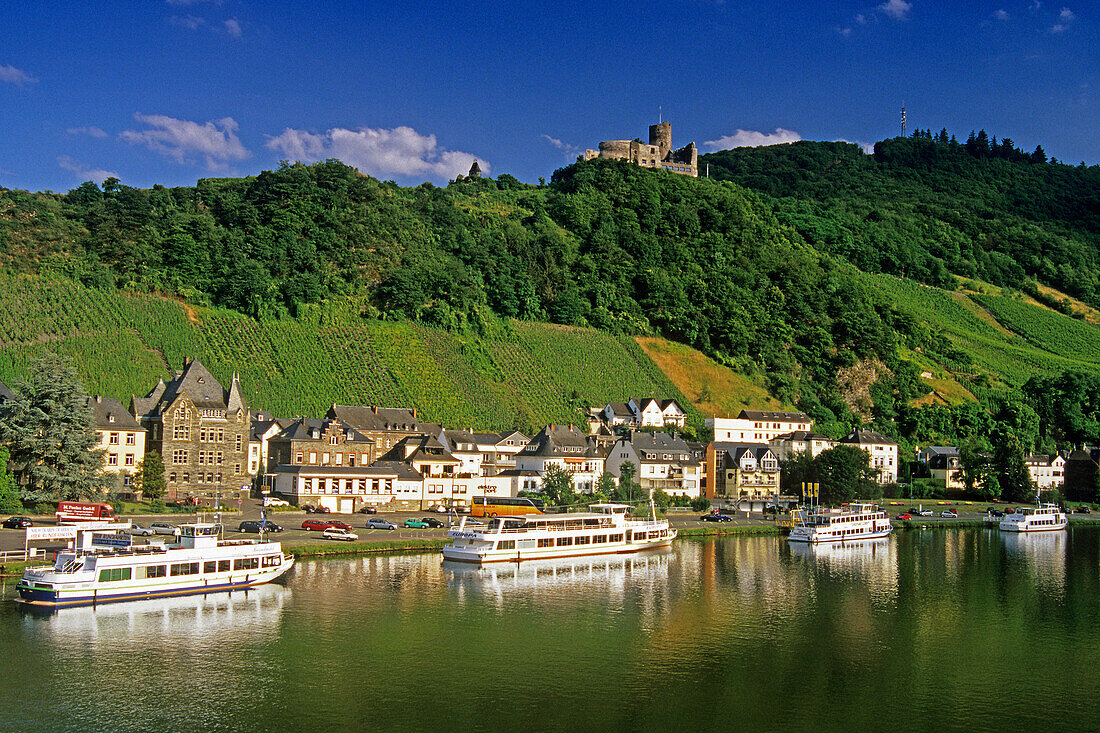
column 524, row 375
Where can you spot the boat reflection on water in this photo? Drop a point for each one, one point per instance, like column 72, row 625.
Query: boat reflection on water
column 873, row 560
column 218, row 614
column 613, row 573
column 1042, row 555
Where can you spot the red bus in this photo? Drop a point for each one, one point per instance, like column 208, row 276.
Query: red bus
column 79, row 511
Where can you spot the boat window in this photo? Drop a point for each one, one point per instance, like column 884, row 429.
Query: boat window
column 112, row 574
column 615, row 538
column 223, row 566
column 271, row 561
column 565, row 541
column 546, row 542
column 185, row 568
column 506, row 545
column 246, row 563
column 210, row 567
column 583, row 540
column 599, row 539
column 152, row 571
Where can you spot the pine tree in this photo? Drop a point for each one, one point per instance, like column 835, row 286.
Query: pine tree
column 1010, row 468
column 52, row 440
column 9, row 496
column 1039, row 156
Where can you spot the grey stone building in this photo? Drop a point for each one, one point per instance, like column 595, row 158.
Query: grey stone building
column 201, row 430
column 657, row 154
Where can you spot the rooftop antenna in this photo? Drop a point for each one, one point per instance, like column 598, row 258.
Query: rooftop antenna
column 903, row 118
column 660, row 118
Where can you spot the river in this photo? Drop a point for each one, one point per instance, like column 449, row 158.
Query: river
column 934, row 629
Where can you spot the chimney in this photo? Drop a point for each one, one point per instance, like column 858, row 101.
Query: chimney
column 99, row 399
column 414, row 413
column 374, row 409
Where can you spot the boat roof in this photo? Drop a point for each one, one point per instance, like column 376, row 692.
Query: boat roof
column 529, row 518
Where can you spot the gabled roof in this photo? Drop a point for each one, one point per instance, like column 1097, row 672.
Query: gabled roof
column 200, row 386
column 941, row 450
column 303, row 429
column 620, row 409
column 553, row 440
column 261, row 427
column 867, row 437
column 775, row 416
column 1040, row 459
column 451, row 438
column 423, row 449
column 370, row 417
column 109, row 414
column 737, row 450
column 658, row 442
column 802, row 435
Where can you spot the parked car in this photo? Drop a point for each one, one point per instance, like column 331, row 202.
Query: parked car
column 994, row 512
column 336, row 533
column 17, row 523
column 715, row 518
column 379, row 523
column 431, row 522
column 949, row 514
column 254, row 526
column 414, row 523
column 925, row 512
column 275, row 501
column 905, row 515
column 310, row 509
column 320, row 525
column 137, row 529
column 165, row 528
column 440, row 509
column 1083, row 510
column 368, row 509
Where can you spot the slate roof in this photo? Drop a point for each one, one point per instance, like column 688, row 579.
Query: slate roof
column 552, row 441
column 737, row 450
column 369, row 417
column 867, row 437
column 645, row 442
column 806, row 435
column 201, row 388
column 403, row 471
column 620, row 409
column 303, row 427
column 774, row 416
column 109, row 414
column 424, row 448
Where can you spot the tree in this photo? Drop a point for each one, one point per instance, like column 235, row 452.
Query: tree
column 49, row 432
column 605, row 485
column 844, row 473
column 557, row 486
column 979, row 478
column 1010, row 468
column 149, row 477
column 627, row 470
column 9, row 495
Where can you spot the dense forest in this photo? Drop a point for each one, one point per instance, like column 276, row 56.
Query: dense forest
column 763, row 267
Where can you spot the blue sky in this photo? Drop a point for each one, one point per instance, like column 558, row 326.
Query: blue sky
column 169, row 91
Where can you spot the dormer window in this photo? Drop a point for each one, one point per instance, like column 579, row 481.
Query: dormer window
column 332, row 440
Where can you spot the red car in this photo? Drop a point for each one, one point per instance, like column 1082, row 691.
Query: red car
column 905, row 515
column 323, row 524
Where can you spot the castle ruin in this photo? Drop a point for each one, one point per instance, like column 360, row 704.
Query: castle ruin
column 657, row 154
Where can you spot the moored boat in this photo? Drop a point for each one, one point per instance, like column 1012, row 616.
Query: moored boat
column 849, row 523
column 103, row 568
column 1041, row 518
column 604, row 530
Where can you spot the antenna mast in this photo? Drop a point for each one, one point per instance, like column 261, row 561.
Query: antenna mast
column 903, row 118
column 660, row 118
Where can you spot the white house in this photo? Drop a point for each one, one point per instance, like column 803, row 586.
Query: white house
column 566, row 447
column 882, row 450
column 1048, row 472
column 786, row 445
column 757, row 426
column 651, row 412
column 662, row 462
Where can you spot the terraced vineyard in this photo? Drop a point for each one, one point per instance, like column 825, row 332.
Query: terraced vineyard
column 525, row 377
column 1046, row 329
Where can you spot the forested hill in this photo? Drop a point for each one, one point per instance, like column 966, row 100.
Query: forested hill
column 928, row 207
column 768, row 282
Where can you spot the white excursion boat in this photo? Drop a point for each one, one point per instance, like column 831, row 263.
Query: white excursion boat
column 604, row 530
column 1041, row 518
column 103, row 568
column 850, row 522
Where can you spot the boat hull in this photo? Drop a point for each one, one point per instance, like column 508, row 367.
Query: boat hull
column 1015, row 527
column 472, row 555
column 816, row 539
column 56, row 597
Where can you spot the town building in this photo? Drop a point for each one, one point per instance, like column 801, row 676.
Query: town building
column 737, row 471
column 1047, row 471
column 483, row 454
column 757, row 426
column 657, row 154
column 1080, row 475
column 647, row 412
column 945, row 466
column 201, row 430
column 264, row 426
column 568, row 448
column 386, row 426
column 347, row 489
column 662, row 462
column 883, row 453
column 787, row 445
column 121, row 437
column 308, row 441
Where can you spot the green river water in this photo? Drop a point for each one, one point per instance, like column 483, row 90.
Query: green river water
column 929, row 630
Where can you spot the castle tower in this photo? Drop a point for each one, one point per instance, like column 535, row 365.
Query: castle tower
column 661, row 136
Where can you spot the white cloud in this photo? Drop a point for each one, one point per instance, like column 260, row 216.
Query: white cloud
column 752, row 139
column 90, row 131
column 896, row 9
column 846, row 31
column 570, row 151
column 216, row 142
column 18, row 77
column 865, row 147
column 1001, row 14
column 233, row 28
column 401, row 151
column 83, row 172
column 861, row 19
column 190, row 22
column 1065, row 18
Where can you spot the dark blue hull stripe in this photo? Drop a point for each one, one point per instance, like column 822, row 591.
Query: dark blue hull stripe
column 38, row 597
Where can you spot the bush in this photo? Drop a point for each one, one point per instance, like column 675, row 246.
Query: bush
column 43, row 507
column 701, row 504
column 156, row 506
column 1051, row 496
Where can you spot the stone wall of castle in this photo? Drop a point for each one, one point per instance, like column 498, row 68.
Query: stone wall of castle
column 657, row 154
